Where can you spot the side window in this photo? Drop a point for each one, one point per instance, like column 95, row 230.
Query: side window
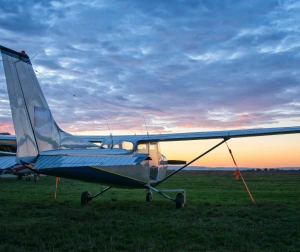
column 125, row 145
column 142, row 148
column 106, row 145
column 117, row 146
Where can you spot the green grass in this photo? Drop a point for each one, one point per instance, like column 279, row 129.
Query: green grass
column 218, row 215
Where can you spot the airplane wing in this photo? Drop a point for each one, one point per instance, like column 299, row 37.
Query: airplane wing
column 11, row 139
column 197, row 135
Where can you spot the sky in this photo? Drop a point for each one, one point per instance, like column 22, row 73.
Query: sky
column 132, row 67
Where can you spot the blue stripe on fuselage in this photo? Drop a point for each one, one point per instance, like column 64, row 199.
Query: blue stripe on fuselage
column 89, row 174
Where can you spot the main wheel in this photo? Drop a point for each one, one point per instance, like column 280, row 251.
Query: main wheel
column 20, row 177
column 179, row 201
column 85, row 198
column 149, row 196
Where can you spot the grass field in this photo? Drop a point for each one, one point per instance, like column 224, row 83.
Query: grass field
column 218, row 215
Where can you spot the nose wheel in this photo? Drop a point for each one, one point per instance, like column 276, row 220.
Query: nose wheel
column 179, row 200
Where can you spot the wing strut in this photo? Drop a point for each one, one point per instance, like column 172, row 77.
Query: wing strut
column 203, row 154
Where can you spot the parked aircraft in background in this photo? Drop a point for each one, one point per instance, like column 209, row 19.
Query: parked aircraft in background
column 8, row 163
column 18, row 170
column 128, row 161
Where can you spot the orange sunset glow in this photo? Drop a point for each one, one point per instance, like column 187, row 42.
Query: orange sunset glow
column 254, row 152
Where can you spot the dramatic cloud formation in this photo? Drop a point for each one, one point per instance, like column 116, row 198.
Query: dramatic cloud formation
column 181, row 65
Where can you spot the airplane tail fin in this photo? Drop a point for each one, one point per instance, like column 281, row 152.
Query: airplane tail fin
column 35, row 128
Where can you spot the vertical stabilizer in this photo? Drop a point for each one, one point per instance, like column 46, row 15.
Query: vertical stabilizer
column 34, row 125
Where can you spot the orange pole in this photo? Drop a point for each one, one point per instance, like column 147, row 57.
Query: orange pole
column 56, row 185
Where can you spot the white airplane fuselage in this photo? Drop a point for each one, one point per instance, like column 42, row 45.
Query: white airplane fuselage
column 109, row 165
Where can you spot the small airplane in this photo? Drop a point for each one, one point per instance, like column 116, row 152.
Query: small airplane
column 16, row 169
column 8, row 163
column 123, row 161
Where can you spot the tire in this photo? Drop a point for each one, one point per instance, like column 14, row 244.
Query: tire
column 149, row 196
column 179, row 201
column 85, row 198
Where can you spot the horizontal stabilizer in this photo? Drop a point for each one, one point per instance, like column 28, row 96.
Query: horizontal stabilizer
column 7, row 162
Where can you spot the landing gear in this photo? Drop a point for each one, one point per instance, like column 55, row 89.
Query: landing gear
column 149, row 195
column 27, row 178
column 20, row 177
column 179, row 200
column 85, row 198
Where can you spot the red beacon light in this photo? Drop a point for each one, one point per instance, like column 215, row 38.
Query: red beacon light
column 23, row 52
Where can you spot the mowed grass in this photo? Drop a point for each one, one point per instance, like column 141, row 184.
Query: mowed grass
column 218, row 215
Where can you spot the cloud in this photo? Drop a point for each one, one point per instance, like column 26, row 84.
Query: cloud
column 184, row 65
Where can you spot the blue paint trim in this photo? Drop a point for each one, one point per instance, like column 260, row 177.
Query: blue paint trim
column 89, row 174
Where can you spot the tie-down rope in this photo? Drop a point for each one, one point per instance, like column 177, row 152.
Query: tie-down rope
column 237, row 173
